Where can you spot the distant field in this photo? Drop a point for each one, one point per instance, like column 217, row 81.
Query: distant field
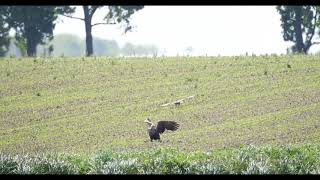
column 83, row 105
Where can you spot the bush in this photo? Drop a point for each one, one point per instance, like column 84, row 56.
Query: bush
column 246, row 160
column 8, row 165
column 51, row 165
column 34, row 165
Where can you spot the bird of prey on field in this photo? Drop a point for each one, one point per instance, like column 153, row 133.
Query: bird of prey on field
column 155, row 130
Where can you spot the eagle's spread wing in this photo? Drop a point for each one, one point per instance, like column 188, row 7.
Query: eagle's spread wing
column 169, row 125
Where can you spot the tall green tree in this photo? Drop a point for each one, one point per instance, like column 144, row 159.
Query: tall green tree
column 4, row 31
column 34, row 24
column 299, row 25
column 114, row 15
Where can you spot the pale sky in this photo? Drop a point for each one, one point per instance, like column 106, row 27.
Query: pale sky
column 211, row 30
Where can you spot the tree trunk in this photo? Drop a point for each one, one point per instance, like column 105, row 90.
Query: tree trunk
column 298, row 31
column 307, row 47
column 31, row 44
column 31, row 48
column 87, row 21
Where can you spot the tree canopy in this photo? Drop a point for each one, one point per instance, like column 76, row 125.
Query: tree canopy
column 114, row 15
column 300, row 24
column 4, row 31
column 34, row 24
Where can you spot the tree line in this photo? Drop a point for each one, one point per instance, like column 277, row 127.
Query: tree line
column 68, row 45
column 34, row 25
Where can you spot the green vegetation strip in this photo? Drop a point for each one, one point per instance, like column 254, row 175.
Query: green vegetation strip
column 289, row 159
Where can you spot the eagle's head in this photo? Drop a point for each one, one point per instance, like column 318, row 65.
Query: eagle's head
column 148, row 121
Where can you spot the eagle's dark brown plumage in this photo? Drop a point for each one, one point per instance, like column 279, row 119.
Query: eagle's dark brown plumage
column 155, row 130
